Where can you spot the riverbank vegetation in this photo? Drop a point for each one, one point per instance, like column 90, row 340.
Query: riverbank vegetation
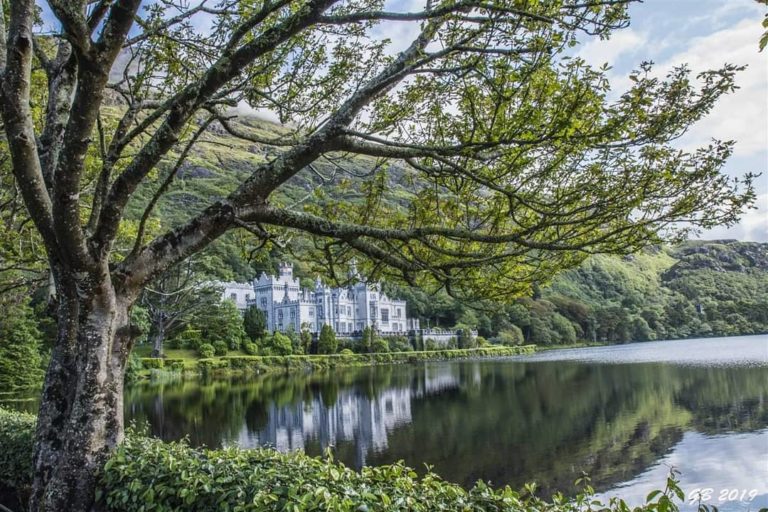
column 233, row 364
column 148, row 474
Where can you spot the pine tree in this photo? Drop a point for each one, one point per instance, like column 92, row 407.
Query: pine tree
column 328, row 342
column 20, row 361
column 255, row 324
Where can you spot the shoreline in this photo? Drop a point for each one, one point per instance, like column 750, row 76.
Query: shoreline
column 239, row 365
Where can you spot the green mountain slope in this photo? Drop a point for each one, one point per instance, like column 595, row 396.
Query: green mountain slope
column 695, row 289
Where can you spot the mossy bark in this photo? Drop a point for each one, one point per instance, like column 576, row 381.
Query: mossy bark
column 81, row 413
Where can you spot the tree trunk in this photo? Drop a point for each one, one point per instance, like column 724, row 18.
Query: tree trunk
column 81, row 413
column 158, row 336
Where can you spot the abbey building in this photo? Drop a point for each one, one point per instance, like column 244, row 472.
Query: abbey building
column 347, row 310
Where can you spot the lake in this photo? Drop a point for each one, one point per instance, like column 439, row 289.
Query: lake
column 622, row 414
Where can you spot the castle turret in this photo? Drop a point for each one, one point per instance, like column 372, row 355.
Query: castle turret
column 286, row 270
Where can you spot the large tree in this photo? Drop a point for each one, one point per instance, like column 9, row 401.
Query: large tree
column 519, row 160
column 174, row 299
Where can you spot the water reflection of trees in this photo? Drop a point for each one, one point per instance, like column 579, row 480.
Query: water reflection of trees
column 508, row 423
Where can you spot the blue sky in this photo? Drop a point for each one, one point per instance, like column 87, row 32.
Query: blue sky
column 705, row 34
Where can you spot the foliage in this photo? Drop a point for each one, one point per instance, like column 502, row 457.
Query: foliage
column 173, row 300
column 366, row 340
column 20, row 340
column 687, row 290
column 511, row 336
column 380, row 345
column 327, row 343
column 206, row 350
column 255, row 324
column 265, row 363
column 17, row 431
column 222, row 322
column 220, row 348
column 296, row 345
column 306, row 339
column 152, row 363
column 148, row 473
column 279, row 344
column 399, row 344
column 250, row 348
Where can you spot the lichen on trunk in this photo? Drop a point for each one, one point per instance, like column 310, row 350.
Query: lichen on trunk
column 81, row 414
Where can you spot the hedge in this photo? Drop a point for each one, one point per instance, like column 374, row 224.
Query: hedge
column 17, row 431
column 146, row 474
column 260, row 364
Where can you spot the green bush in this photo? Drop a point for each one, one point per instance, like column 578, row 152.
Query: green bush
column 250, row 348
column 148, row 474
column 327, row 342
column 346, row 352
column 279, row 344
column 151, row 363
column 17, row 430
column 220, row 348
column 511, row 336
column 175, row 365
column 206, row 350
column 379, row 345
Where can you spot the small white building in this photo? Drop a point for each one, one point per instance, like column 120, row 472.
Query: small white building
column 347, row 310
column 239, row 293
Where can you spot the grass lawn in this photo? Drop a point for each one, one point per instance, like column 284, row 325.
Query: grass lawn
column 188, row 355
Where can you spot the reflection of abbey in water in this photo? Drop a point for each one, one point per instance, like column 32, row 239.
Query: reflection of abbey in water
column 354, row 417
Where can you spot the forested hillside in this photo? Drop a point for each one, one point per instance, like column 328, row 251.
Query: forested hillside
column 694, row 289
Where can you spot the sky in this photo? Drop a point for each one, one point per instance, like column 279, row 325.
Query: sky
column 704, row 34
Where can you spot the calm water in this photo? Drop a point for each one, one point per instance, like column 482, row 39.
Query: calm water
column 622, row 414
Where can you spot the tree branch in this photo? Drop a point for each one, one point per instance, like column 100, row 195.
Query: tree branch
column 183, row 107
column 17, row 117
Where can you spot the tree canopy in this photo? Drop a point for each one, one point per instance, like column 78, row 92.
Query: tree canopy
column 519, row 158
column 522, row 160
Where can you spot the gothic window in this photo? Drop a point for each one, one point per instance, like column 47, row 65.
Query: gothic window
column 399, row 313
column 349, row 310
column 264, row 302
column 384, row 315
column 279, row 315
column 311, row 312
column 319, row 311
column 293, row 314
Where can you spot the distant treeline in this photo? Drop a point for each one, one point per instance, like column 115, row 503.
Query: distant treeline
column 696, row 289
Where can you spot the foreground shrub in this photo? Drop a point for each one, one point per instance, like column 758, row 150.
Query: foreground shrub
column 147, row 474
column 17, row 432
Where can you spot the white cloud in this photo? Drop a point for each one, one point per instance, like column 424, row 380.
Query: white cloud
column 598, row 52
column 743, row 115
column 753, row 225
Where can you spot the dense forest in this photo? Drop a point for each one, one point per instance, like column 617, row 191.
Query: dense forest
column 694, row 289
